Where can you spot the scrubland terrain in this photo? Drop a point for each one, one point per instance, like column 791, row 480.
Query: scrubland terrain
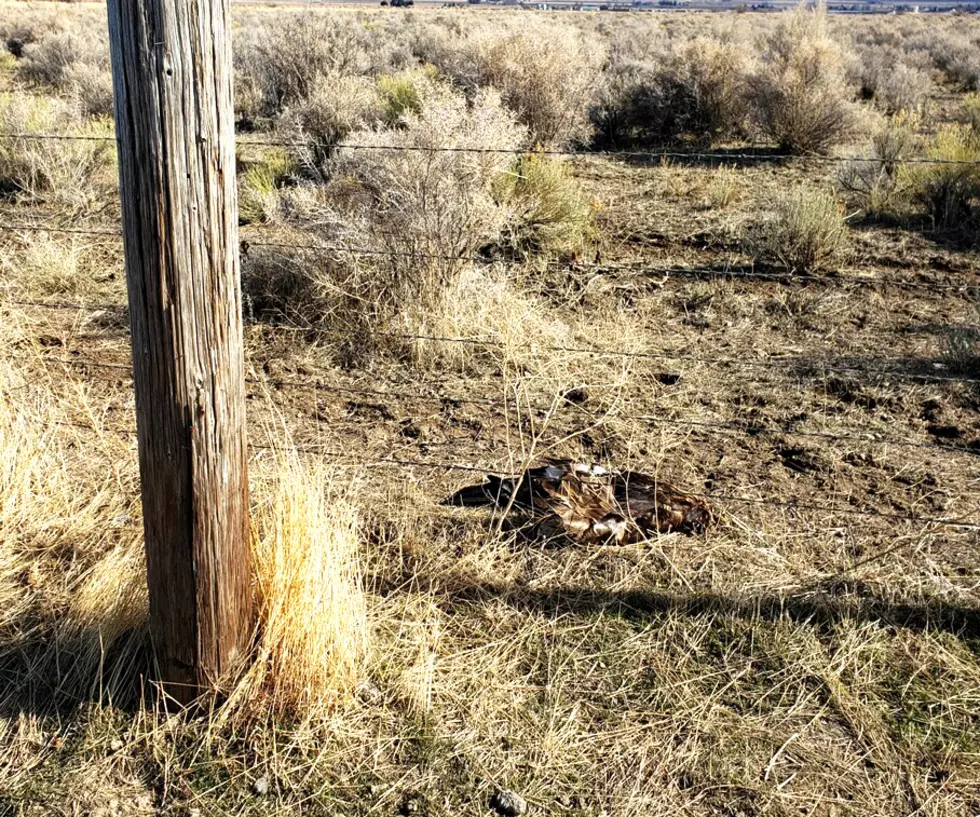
column 654, row 259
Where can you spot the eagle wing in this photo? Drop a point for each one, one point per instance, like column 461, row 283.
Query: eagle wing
column 655, row 506
column 567, row 500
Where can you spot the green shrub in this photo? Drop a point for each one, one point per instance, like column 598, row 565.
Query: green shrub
column 948, row 193
column 258, row 197
column 400, row 92
column 552, row 214
column 806, row 234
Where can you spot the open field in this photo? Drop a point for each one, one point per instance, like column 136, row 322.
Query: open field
column 660, row 256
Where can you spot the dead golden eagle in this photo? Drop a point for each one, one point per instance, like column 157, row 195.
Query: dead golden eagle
column 590, row 504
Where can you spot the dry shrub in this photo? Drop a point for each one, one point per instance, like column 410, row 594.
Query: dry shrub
column 697, row 90
column 971, row 112
column 958, row 57
column 74, row 65
column 552, row 214
column 895, row 81
column 312, row 609
column 806, row 234
column 336, row 106
column 904, row 88
column 421, row 214
column 278, row 63
column 879, row 184
column 799, row 95
column 548, row 79
column 340, row 104
column 62, row 171
column 546, row 74
column 91, row 87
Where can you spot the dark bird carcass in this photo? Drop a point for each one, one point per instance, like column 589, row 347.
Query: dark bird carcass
column 589, row 504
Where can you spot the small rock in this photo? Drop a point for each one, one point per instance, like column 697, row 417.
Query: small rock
column 116, row 745
column 508, row 803
column 261, row 785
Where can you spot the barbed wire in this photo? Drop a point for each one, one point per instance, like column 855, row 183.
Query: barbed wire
column 748, row 429
column 792, row 505
column 735, row 273
column 741, row 154
column 770, row 363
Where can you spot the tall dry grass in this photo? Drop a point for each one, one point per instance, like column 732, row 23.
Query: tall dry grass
column 313, row 624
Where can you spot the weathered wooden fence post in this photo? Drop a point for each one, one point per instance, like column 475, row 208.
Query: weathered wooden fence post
column 171, row 66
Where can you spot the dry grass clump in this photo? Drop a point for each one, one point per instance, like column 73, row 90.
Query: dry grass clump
column 71, row 587
column 64, row 172
column 312, row 611
column 800, row 98
column 807, row 233
column 49, row 265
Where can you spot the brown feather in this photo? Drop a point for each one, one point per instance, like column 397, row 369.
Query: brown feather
column 587, row 504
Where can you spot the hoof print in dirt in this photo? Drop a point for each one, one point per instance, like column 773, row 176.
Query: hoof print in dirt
column 508, row 803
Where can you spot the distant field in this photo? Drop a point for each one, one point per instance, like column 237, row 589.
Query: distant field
column 738, row 252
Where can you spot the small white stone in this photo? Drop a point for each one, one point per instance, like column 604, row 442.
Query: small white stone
column 261, row 785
